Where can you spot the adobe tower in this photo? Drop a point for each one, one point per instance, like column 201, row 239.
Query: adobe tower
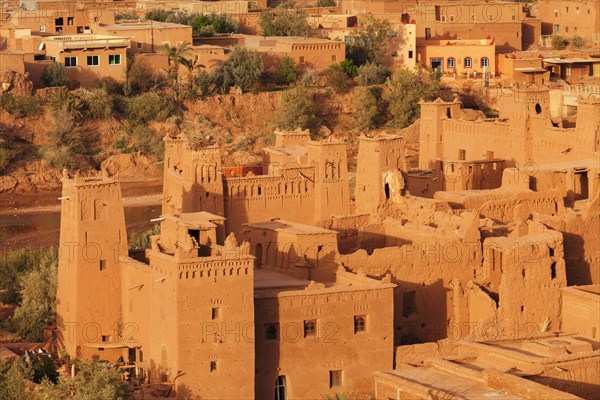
column 92, row 240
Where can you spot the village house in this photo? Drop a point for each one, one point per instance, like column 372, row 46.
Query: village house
column 468, row 58
column 570, row 18
column 147, row 35
column 308, row 53
column 87, row 58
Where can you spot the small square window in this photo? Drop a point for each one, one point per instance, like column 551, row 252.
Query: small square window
column 139, row 45
column 106, row 338
column 114, row 59
column 93, row 61
column 216, row 313
column 310, row 327
column 70, row 62
column 335, row 378
column 301, row 59
column 102, row 265
column 213, row 366
column 410, row 54
column 360, row 323
column 271, row 332
column 334, row 58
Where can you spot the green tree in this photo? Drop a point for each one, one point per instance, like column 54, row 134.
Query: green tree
column 286, row 72
column 366, row 109
column 37, row 308
column 148, row 107
column 372, row 74
column 369, row 42
column 191, row 66
column 403, row 90
column 285, row 20
column 243, row 68
column 209, row 24
column 54, row 75
column 339, row 76
column 13, row 266
column 296, row 110
column 94, row 381
column 175, row 56
column 13, row 375
column 157, row 15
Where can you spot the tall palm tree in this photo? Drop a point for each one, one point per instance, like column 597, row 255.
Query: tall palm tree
column 175, row 56
column 191, row 66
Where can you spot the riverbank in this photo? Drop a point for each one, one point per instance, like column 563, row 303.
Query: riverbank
column 33, row 220
column 134, row 193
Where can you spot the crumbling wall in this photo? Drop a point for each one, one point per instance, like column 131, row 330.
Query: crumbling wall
column 424, row 271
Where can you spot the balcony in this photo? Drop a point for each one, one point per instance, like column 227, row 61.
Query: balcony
column 87, row 42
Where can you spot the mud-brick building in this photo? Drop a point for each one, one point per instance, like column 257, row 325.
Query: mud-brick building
column 87, row 58
column 303, row 181
column 200, row 313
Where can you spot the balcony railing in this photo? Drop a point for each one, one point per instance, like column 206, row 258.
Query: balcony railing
column 82, row 42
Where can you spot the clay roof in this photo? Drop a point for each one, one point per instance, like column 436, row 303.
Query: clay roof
column 265, row 279
column 447, row 381
column 201, row 219
column 291, row 227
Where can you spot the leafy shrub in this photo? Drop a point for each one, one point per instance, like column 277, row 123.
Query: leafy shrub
column 20, row 106
column 285, row 20
column 372, row 74
column 403, row 91
column 209, row 24
column 37, row 307
column 243, row 68
column 126, row 16
column 558, row 42
column 286, row 72
column 157, row 15
column 149, row 107
column 338, row 79
column 98, row 104
column 6, row 154
column 141, row 240
column 365, row 109
column 54, row 75
column 296, row 110
column 577, row 42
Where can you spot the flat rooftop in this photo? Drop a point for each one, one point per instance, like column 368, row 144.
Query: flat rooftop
column 285, row 226
column 143, row 25
column 453, row 384
column 201, row 219
column 267, row 279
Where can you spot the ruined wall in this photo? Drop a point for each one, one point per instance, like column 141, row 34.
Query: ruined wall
column 424, row 271
column 378, row 158
column 581, row 310
column 500, row 301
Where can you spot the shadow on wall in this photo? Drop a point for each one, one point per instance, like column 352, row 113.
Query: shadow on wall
column 419, row 312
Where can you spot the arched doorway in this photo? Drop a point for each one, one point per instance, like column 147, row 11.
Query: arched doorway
column 280, row 388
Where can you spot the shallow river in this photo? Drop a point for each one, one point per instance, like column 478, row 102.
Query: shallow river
column 31, row 229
